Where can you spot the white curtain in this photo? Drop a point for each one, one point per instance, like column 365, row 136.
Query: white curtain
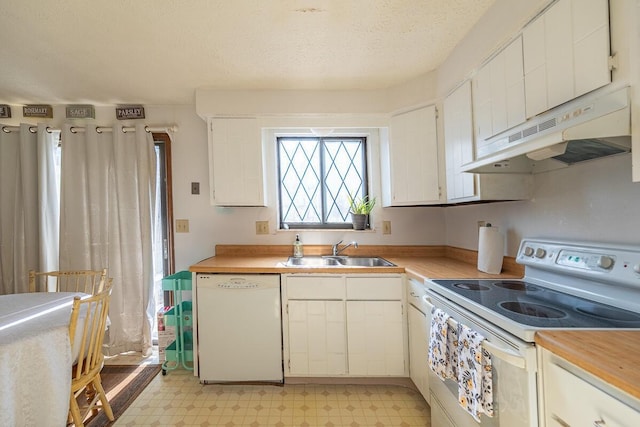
column 28, row 213
column 108, row 201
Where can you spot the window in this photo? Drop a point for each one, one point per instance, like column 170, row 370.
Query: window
column 316, row 177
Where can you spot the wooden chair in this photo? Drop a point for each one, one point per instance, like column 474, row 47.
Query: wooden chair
column 86, row 332
column 88, row 281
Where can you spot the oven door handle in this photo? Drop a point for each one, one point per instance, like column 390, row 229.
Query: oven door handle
column 498, row 352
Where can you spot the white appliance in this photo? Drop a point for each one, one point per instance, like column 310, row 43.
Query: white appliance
column 566, row 286
column 239, row 328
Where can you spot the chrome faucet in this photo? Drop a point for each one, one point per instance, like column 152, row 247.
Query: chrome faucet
column 335, row 251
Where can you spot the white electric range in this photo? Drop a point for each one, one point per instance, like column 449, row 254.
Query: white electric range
column 567, row 285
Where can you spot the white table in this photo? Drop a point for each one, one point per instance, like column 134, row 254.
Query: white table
column 35, row 358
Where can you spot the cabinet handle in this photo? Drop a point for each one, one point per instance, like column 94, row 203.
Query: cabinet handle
column 599, row 423
column 559, row 420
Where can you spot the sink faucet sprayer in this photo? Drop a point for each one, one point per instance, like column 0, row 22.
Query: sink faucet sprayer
column 336, row 251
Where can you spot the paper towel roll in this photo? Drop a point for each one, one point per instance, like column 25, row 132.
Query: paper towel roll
column 490, row 250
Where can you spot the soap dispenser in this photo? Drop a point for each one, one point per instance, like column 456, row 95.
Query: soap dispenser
column 297, row 247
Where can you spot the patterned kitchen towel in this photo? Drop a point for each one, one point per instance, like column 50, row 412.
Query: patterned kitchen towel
column 475, row 379
column 438, row 354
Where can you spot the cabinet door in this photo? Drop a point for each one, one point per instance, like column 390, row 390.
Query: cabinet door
column 458, row 139
column 566, row 52
column 413, row 157
column 236, row 173
column 574, row 401
column 419, row 351
column 375, row 343
column 317, row 340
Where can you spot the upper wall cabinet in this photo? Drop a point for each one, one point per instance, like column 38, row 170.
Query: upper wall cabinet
column 498, row 100
column 410, row 159
column 566, row 53
column 235, row 162
column 458, row 137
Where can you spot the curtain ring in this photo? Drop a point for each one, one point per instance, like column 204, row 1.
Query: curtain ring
column 48, row 129
column 33, row 129
column 5, row 129
column 124, row 130
column 72, row 129
column 98, row 130
column 147, row 129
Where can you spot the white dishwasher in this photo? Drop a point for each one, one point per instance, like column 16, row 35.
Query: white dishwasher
column 239, row 328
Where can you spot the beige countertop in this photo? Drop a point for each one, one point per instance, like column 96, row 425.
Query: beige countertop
column 613, row 356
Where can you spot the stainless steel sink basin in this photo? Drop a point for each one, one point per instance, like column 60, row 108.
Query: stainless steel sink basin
column 312, row 261
column 338, row 261
column 366, row 262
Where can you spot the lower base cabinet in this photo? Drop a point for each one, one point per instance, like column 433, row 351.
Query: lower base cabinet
column 419, row 351
column 344, row 325
column 375, row 344
column 573, row 397
column 317, row 338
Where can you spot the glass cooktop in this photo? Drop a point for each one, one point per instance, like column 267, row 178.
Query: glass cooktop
column 540, row 307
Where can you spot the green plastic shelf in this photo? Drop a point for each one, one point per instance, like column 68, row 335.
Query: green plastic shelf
column 184, row 312
column 180, row 281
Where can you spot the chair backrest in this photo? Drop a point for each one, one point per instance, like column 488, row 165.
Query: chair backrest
column 87, row 281
column 86, row 331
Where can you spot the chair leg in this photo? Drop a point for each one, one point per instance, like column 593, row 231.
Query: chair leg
column 90, row 394
column 75, row 412
column 106, row 407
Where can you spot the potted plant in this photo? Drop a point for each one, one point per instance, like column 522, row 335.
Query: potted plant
column 360, row 210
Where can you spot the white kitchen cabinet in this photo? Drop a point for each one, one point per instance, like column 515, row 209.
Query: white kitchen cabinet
column 236, row 162
column 573, row 397
column 339, row 325
column 419, row 350
column 317, row 338
column 498, row 101
column 315, row 331
column 375, row 339
column 459, row 150
column 410, row 159
column 566, row 53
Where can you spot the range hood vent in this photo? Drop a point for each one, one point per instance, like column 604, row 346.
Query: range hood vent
column 592, row 126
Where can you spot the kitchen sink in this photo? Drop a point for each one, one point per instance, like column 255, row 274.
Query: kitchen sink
column 338, row 261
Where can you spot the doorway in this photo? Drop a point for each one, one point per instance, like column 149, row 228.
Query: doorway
column 163, row 254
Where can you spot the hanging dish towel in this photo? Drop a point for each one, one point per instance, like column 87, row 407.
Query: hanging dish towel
column 438, row 354
column 475, row 379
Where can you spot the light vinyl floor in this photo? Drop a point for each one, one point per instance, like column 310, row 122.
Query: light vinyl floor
column 178, row 399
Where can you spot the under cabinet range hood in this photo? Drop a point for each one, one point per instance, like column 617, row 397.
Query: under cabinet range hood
column 592, row 126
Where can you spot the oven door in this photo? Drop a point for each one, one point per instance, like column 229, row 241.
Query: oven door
column 514, row 377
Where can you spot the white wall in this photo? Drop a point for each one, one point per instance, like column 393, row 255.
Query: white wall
column 591, row 201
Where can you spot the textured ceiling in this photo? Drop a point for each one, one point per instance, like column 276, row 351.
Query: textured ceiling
column 160, row 51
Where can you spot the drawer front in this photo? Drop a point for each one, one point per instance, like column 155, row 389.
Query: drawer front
column 374, row 288
column 315, row 287
column 572, row 401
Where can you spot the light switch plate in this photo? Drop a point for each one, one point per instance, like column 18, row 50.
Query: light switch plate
column 195, row 188
column 262, row 227
column 386, row 227
column 182, row 225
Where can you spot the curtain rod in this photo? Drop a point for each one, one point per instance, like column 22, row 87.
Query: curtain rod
column 99, row 129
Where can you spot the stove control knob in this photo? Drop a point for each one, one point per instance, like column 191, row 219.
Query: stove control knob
column 540, row 253
column 636, row 268
column 528, row 251
column 605, row 262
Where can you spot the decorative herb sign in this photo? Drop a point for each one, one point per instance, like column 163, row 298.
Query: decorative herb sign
column 40, row 110
column 5, row 111
column 126, row 112
column 81, row 112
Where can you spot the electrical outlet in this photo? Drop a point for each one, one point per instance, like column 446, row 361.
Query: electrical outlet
column 482, row 223
column 195, row 188
column 182, row 225
column 262, row 227
column 386, row 227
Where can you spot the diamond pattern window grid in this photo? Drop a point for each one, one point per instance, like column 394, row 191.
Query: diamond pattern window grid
column 305, row 199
